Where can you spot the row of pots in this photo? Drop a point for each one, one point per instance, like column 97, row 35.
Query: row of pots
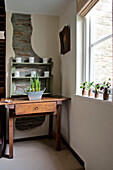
column 105, row 94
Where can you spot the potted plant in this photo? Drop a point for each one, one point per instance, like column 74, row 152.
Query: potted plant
column 97, row 88
column 84, row 87
column 90, row 89
column 34, row 92
column 105, row 88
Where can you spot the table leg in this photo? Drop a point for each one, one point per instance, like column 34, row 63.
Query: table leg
column 58, row 128
column 2, row 130
column 0, row 133
column 10, row 134
column 50, row 124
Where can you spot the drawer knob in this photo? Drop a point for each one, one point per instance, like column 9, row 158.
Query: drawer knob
column 36, row 108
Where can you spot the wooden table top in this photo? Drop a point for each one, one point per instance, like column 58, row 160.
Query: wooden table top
column 23, row 100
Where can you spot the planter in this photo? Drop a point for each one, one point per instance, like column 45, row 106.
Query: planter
column 96, row 94
column 84, row 92
column 90, row 93
column 31, row 59
column 35, row 95
column 106, row 95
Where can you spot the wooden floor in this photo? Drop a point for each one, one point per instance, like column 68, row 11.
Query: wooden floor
column 39, row 155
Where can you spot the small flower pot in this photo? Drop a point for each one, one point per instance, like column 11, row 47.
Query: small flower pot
column 31, row 59
column 33, row 73
column 84, row 92
column 18, row 59
column 90, row 93
column 46, row 73
column 17, row 73
column 45, row 60
column 106, row 95
column 96, row 94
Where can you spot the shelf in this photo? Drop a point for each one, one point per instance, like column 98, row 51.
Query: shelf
column 25, row 69
column 40, row 77
column 25, row 63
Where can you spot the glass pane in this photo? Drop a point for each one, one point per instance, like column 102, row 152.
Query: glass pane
column 101, row 20
column 101, row 61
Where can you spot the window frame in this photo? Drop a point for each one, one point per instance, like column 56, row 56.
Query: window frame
column 87, row 48
column 93, row 44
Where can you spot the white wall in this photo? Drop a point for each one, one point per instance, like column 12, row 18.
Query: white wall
column 88, row 126
column 45, row 43
column 9, row 50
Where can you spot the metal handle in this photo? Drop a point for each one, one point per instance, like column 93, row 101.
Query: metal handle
column 36, row 108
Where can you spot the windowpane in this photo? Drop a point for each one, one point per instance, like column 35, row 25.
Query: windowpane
column 101, row 20
column 101, row 61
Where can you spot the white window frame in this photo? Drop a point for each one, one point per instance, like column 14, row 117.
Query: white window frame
column 92, row 45
column 86, row 51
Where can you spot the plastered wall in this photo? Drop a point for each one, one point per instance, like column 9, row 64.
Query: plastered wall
column 87, row 124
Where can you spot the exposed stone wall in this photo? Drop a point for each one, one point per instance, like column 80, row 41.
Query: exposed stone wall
column 22, row 29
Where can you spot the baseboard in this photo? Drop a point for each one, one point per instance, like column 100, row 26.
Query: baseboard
column 74, row 153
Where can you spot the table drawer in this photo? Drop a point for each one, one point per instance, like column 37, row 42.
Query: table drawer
column 21, row 109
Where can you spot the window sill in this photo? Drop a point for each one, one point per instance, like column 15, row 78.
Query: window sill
column 96, row 100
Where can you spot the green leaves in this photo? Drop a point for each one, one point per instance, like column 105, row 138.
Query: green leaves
column 86, row 85
column 83, row 85
column 97, row 87
column 90, row 85
column 106, row 85
column 32, row 85
column 29, row 89
column 35, row 84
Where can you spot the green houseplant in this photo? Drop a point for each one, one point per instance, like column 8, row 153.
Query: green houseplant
column 97, row 89
column 90, row 89
column 106, row 89
column 84, row 87
column 34, row 92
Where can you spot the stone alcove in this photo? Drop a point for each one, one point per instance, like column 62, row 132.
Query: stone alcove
column 22, row 31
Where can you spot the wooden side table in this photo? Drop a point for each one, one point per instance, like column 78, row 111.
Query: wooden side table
column 46, row 106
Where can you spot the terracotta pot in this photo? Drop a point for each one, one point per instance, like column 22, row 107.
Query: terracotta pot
column 84, row 92
column 106, row 95
column 96, row 94
column 90, row 93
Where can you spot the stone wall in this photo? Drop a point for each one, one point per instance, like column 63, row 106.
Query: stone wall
column 22, row 31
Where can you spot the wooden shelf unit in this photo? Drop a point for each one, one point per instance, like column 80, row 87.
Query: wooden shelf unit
column 19, row 84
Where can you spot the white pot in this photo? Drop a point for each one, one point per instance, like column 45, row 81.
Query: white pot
column 45, row 60
column 46, row 73
column 18, row 60
column 17, row 73
column 33, row 73
column 31, row 59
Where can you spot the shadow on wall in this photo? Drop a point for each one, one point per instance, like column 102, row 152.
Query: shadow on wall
column 65, row 121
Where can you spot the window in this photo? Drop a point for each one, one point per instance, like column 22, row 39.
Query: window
column 99, row 38
column 96, row 53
